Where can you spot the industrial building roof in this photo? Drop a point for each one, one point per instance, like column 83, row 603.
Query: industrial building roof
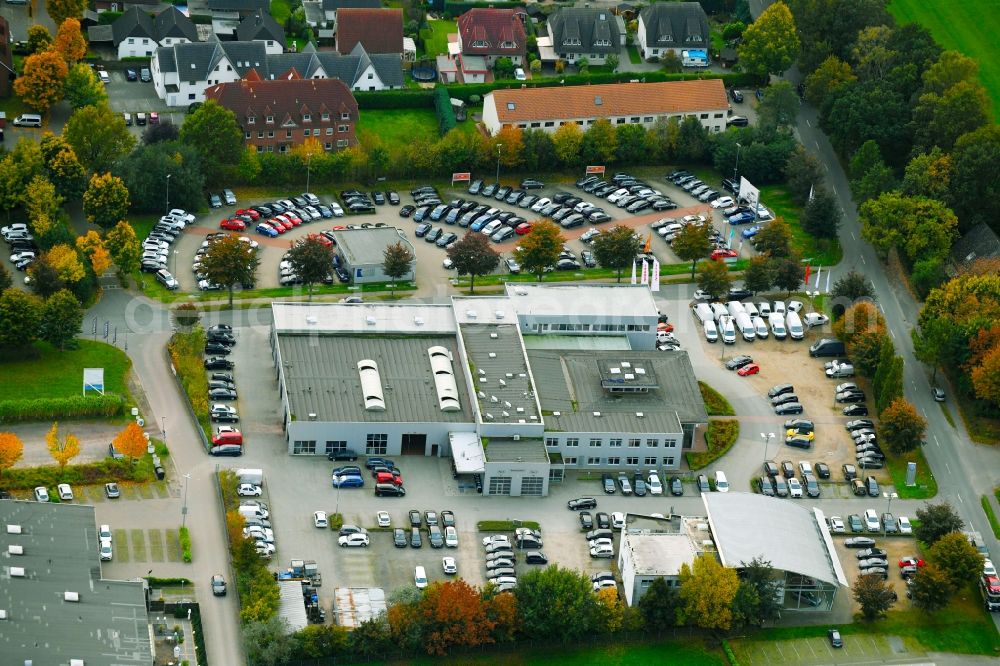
column 582, row 299
column 500, row 373
column 570, row 383
column 291, row 606
column 375, row 318
column 322, row 377
column 361, row 247
column 506, row 449
column 467, row 452
column 660, row 554
column 739, row 521
column 58, row 607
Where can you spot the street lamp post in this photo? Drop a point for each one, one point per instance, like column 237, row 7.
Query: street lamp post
column 767, row 437
column 184, row 509
column 888, row 509
column 499, row 146
column 736, row 169
column 163, row 428
column 168, row 193
column 308, row 166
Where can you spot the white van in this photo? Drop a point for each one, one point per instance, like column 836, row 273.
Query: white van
column 751, row 309
column 420, row 578
column 760, row 326
column 719, row 311
column 734, row 308
column 721, row 483
column 703, row 312
column 777, row 325
column 711, row 332
column 728, row 330
column 28, row 120
column 795, row 330
column 746, row 326
column 252, row 512
column 779, row 307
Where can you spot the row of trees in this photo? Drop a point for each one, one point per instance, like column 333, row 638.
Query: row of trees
column 25, row 318
column 551, row 604
column 131, row 442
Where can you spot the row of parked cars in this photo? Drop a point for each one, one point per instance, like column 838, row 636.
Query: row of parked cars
column 500, row 557
column 627, row 192
column 156, row 247
column 735, row 209
column 752, row 321
column 227, row 440
column 278, row 217
column 256, row 520
column 387, row 477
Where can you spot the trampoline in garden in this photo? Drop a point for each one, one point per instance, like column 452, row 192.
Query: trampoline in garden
column 423, row 73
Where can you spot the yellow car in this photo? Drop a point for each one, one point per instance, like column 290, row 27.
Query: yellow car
column 805, row 435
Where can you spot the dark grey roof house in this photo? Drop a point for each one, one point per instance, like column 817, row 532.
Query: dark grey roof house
column 261, row 27
column 241, row 7
column 980, row 242
column 173, row 27
column 578, row 32
column 134, row 23
column 672, row 26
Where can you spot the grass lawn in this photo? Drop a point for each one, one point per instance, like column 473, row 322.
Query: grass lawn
column 435, row 36
column 822, row 252
column 926, row 484
column 680, row 654
column 281, row 10
column 969, row 27
column 634, row 56
column 58, row 374
column 399, row 127
column 991, row 516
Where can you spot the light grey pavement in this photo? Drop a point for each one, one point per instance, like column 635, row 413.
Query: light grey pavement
column 94, row 437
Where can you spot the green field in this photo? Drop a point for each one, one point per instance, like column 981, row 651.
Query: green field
column 673, row 653
column 435, row 36
column 969, row 27
column 55, row 374
column 400, row 127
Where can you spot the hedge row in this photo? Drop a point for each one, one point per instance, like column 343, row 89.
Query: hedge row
column 105, row 471
column 185, row 539
column 396, row 99
column 187, row 354
column 720, row 437
column 72, row 407
column 445, row 114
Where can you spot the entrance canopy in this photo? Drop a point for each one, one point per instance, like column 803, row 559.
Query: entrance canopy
column 467, row 452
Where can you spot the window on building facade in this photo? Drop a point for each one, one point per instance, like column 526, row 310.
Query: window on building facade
column 343, row 128
column 329, row 131
column 596, row 441
column 632, row 460
column 594, row 461
column 304, row 446
column 572, row 441
column 288, row 134
column 652, row 443
column 342, row 143
column 614, row 460
column 551, row 441
column 651, row 460
column 634, row 442
column 345, row 116
column 247, row 135
column 500, row 485
column 307, row 118
column 251, row 120
column 269, row 120
column 260, row 134
column 270, row 134
column 615, row 442
column 531, row 486
column 647, row 119
column 376, row 444
column 668, row 461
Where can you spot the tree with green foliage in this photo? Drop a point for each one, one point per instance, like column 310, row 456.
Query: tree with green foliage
column 707, row 593
column 930, row 589
column 566, row 142
column 758, row 277
column 228, row 262
column 321, row 641
column 556, row 602
column 397, row 261
column 45, row 280
column 693, row 243
column 60, row 10
column 611, row 61
column 39, row 38
column 62, row 318
column 901, row 428
column 83, row 88
column 268, row 642
column 692, row 140
column 713, row 278
column 758, row 599
column 67, row 174
column 212, row 130
column 870, row 176
column 473, row 255
column 658, row 606
column 974, row 176
column 787, row 273
column 874, row 595
column 124, row 247
column 770, row 44
column 779, row 107
column 928, row 175
column 599, row 143
column 866, row 110
column 774, row 240
column 617, row 248
column 631, row 144
column 145, row 174
column 935, row 521
column 20, row 318
column 503, row 68
column 940, row 119
column 832, row 73
column 5, row 280
column 106, row 201
column 803, row 173
column 852, row 286
column 918, row 228
column 312, row 261
column 539, row 250
column 958, row 559
column 98, row 136
column 866, row 351
column 821, row 216
column 938, row 342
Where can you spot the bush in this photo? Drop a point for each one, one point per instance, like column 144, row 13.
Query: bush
column 715, row 403
column 395, row 99
column 505, row 525
column 720, row 437
column 445, row 113
column 167, row 582
column 187, row 354
column 72, row 407
column 336, row 521
column 105, row 471
column 185, row 537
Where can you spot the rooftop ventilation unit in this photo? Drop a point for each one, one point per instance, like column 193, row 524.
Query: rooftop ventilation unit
column 471, row 314
column 520, row 291
column 506, row 404
column 494, row 336
column 639, row 414
column 556, row 413
column 503, row 383
column 370, row 320
column 71, row 596
column 510, row 375
column 13, row 529
column 493, row 354
column 3, row 615
column 312, row 416
column 626, row 364
column 597, row 414
column 17, row 572
column 520, row 410
column 481, row 395
column 371, row 385
column 418, row 321
column 640, row 371
column 311, row 320
column 489, row 417
column 505, row 414
column 498, row 314
column 533, row 417
column 494, row 399
column 482, row 373
column 444, row 379
column 14, row 549
column 629, row 376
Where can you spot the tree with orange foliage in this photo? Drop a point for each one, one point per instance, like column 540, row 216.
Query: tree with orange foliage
column 452, row 613
column 501, row 609
column 60, row 10
column 11, row 450
column 92, row 245
column 40, row 86
column 62, row 450
column 986, row 377
column 612, row 609
column 70, row 43
column 131, row 441
column 507, row 144
column 862, row 317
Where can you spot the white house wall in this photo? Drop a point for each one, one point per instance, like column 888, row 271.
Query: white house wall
column 557, row 441
column 136, row 47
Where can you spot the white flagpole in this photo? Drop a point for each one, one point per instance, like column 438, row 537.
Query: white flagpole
column 633, row 271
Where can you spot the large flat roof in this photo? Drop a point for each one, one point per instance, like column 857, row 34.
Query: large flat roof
column 505, row 449
column 321, row 318
column 367, row 246
column 592, row 300
column 570, row 382
column 500, row 373
column 107, row 625
column 322, row 378
column 791, row 537
column 660, row 554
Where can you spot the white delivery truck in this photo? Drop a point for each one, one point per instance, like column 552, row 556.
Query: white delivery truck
column 703, row 312
column 251, row 475
column 744, row 323
column 794, row 324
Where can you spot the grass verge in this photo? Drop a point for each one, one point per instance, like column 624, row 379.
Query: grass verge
column 720, row 437
column 398, row 127
column 108, row 470
column 42, row 371
column 185, row 539
column 991, row 515
column 633, row 54
column 686, row 653
column 584, row 274
column 715, row 403
column 947, row 414
column 505, row 525
column 187, row 355
column 823, row 252
column 926, row 485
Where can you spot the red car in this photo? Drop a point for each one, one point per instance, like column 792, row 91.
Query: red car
column 293, row 218
column 751, row 369
column 233, row 224
column 665, row 327
column 250, row 212
column 911, row 562
column 322, row 240
column 723, row 254
column 280, row 225
column 339, row 227
column 523, row 228
column 387, row 477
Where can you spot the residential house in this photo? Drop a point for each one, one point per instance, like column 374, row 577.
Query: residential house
column 672, row 27
column 261, row 27
column 183, row 72
column 493, row 33
column 618, row 103
column 331, row 7
column 123, row 5
column 378, row 30
column 280, row 114
column 137, row 34
column 583, row 32
column 980, row 242
column 239, row 8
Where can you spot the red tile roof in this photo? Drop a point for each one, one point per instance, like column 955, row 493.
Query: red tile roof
column 379, row 30
column 606, row 100
column 285, row 99
column 495, row 27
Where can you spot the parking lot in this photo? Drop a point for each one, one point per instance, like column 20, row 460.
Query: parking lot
column 860, row 648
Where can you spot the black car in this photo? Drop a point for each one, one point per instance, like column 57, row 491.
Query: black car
column 217, row 348
column 871, row 485
column 603, row 521
column 422, row 230
column 784, row 399
column 375, row 461
column 802, row 425
column 145, row 75
column 859, row 409
column 737, row 362
column 222, row 337
column 531, row 184
column 130, row 75
column 581, row 503
column 639, row 485
column 389, row 490
column 850, row 472
column 378, row 197
column 399, row 537
column 822, row 470
column 608, row 483
column 415, row 540
column 342, row 454
column 433, row 235
column 765, row 486
column 788, row 408
column 502, row 193
column 780, row 389
column 222, row 394
column 535, row 557
column 676, row 486
column 216, row 363
column 393, row 197
column 770, row 468
column 407, row 210
column 586, row 520
column 739, row 294
column 850, row 397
